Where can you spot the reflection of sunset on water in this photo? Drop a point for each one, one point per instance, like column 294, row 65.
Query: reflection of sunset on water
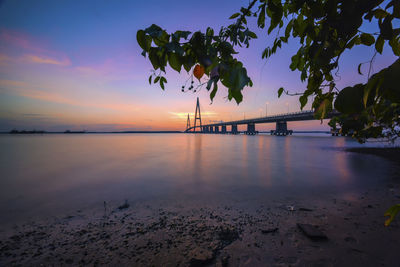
column 341, row 162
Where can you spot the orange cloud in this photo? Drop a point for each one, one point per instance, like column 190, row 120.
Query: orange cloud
column 46, row 60
column 183, row 115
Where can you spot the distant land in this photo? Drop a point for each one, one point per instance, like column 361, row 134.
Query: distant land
column 121, row 132
column 80, row 132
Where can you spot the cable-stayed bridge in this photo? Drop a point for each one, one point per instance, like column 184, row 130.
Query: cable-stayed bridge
column 232, row 126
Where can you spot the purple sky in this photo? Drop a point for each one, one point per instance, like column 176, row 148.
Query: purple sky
column 76, row 65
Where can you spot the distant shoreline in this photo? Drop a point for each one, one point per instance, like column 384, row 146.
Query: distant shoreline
column 123, row 132
column 86, row 132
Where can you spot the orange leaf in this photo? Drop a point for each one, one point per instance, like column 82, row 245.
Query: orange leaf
column 198, row 71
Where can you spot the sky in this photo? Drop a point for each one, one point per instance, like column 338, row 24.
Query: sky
column 76, row 65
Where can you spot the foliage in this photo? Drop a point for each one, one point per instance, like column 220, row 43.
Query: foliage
column 391, row 212
column 325, row 30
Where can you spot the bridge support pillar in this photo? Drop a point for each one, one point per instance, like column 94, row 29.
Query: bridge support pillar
column 251, row 129
column 223, row 129
column 234, row 129
column 281, row 129
column 211, row 128
column 216, row 129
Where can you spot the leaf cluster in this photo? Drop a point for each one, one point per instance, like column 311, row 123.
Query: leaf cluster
column 325, row 29
column 211, row 52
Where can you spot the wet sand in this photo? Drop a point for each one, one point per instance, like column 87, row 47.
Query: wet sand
column 237, row 231
column 389, row 153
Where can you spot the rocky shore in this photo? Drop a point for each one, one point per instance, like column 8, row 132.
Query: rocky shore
column 261, row 231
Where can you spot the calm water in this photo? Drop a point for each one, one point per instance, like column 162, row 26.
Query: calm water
column 46, row 175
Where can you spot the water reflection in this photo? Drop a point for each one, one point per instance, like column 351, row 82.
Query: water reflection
column 57, row 171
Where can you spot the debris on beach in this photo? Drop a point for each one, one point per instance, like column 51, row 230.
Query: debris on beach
column 290, row 208
column 124, row 206
column 305, row 209
column 312, row 231
column 268, row 231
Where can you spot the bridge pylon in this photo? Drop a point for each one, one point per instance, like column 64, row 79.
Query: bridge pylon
column 197, row 117
column 188, row 122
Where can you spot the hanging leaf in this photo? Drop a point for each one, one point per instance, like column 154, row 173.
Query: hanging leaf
column 359, row 69
column 175, row 61
column 367, row 39
column 350, row 99
column 379, row 44
column 280, row 91
column 324, row 108
column 198, row 71
column 234, row 16
column 303, row 101
column 214, row 91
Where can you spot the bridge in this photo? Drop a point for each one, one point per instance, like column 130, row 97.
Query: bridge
column 280, row 120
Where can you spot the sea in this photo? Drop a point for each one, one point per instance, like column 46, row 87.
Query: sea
column 50, row 175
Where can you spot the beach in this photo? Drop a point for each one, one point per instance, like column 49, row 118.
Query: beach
column 248, row 231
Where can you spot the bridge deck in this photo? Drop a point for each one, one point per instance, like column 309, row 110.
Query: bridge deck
column 295, row 116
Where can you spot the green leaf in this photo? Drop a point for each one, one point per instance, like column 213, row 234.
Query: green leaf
column 141, row 39
column 280, row 91
column 153, row 31
column 234, row 16
column 395, row 44
column 237, row 95
column 379, row 44
column 209, row 84
column 252, row 35
column 303, row 101
column 391, row 212
column 261, row 17
column 154, row 58
column 324, row 108
column 175, row 61
column 181, row 34
column 214, row 91
column 156, row 79
column 380, row 13
column 359, row 69
column 288, row 29
column 188, row 63
column 162, row 81
column 367, row 39
column 349, row 99
column 150, row 77
column 235, row 79
column 371, row 88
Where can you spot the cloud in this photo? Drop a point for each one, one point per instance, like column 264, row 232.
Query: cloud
column 16, row 39
column 183, row 115
column 28, row 90
column 24, row 48
column 116, row 68
column 46, row 60
column 34, row 59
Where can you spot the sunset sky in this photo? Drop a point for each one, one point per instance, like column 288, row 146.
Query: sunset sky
column 76, row 65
